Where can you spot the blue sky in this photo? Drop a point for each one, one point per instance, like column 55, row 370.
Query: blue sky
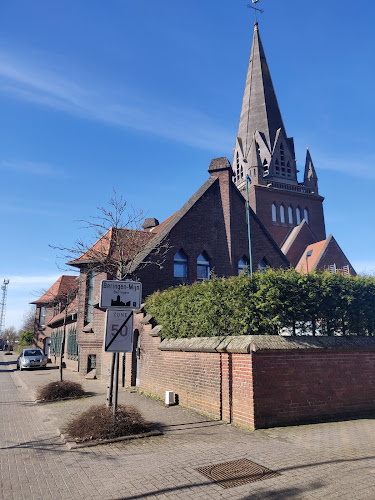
column 141, row 95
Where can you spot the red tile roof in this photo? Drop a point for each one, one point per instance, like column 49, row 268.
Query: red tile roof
column 317, row 252
column 127, row 241
column 65, row 284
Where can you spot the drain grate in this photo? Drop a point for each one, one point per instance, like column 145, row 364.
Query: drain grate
column 230, row 474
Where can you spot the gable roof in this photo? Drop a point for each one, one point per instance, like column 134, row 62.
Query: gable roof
column 64, row 285
column 111, row 243
column 317, row 250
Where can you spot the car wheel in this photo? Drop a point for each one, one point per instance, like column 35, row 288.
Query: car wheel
column 20, row 367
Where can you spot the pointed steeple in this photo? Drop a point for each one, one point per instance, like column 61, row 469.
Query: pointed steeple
column 260, row 116
column 310, row 177
column 260, row 110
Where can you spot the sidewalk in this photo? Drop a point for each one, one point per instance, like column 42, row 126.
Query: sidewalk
column 324, row 461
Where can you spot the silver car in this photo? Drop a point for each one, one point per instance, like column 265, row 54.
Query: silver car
column 31, row 358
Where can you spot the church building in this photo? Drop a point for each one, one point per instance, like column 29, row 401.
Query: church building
column 209, row 233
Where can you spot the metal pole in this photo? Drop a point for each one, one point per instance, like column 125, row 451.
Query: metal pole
column 110, row 381
column 248, row 179
column 123, row 370
column 115, row 399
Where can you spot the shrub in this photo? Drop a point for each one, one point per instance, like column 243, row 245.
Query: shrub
column 98, row 423
column 271, row 302
column 60, row 390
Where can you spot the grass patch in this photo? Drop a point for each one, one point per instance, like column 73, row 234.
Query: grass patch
column 98, row 423
column 60, row 390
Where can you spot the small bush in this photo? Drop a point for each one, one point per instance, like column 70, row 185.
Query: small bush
column 98, row 423
column 60, row 390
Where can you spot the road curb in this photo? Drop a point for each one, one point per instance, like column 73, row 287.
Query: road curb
column 73, row 445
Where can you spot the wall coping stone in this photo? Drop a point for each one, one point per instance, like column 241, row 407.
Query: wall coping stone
column 244, row 344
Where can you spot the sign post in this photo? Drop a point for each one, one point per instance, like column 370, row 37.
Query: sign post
column 119, row 298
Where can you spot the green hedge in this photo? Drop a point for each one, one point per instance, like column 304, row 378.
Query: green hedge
column 275, row 300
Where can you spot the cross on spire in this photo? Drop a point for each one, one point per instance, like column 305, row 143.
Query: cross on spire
column 249, row 6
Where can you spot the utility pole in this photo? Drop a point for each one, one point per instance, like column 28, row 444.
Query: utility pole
column 4, row 287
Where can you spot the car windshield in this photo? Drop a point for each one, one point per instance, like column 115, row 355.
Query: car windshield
column 32, row 352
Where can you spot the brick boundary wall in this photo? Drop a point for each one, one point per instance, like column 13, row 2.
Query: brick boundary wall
column 261, row 381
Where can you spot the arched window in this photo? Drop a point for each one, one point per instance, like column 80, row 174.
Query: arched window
column 243, row 265
column 263, row 264
column 298, row 216
column 42, row 316
column 274, row 213
column 203, row 267
column 180, row 262
column 282, row 214
column 306, row 215
column 290, row 215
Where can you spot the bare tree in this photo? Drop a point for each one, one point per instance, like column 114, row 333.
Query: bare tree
column 10, row 335
column 118, row 244
column 118, row 247
column 28, row 320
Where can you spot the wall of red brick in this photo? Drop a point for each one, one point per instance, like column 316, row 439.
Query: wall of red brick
column 306, row 387
column 262, row 389
column 218, row 384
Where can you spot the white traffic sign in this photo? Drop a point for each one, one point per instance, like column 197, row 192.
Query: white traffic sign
column 120, row 294
column 119, row 330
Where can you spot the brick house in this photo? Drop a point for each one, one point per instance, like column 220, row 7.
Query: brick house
column 51, row 306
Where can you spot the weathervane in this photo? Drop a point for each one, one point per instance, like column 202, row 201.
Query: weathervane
column 255, row 8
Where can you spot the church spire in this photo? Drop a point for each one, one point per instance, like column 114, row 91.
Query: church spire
column 310, row 177
column 260, row 110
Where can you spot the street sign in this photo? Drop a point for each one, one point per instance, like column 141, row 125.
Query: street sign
column 119, row 330
column 120, row 294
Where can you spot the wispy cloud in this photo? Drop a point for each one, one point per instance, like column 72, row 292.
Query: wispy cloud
column 29, row 81
column 354, row 165
column 32, row 168
column 29, row 281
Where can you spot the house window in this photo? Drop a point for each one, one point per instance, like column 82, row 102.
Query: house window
column 282, row 214
column 274, row 213
column 203, row 267
column 290, row 215
column 243, row 265
column 89, row 304
column 42, row 317
column 306, row 215
column 298, row 216
column 277, row 166
column 265, row 167
column 180, row 265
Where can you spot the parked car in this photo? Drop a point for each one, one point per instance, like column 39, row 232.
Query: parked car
column 31, row 358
